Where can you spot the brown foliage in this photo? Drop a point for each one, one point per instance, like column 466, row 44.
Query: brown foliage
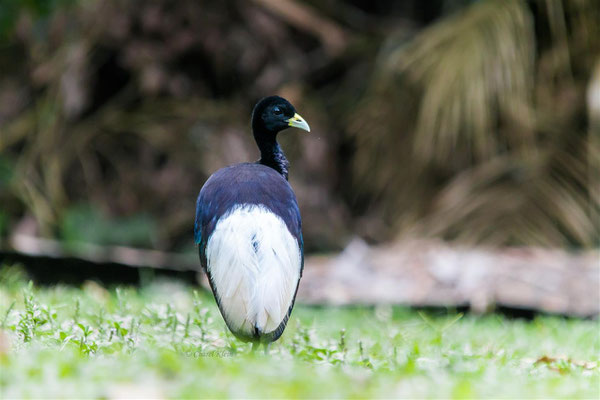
column 474, row 128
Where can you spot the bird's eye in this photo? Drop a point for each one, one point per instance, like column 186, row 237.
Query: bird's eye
column 277, row 111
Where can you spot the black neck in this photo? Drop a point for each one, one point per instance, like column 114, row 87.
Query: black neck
column 271, row 154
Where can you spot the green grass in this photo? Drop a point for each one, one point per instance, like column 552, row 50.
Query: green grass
column 168, row 340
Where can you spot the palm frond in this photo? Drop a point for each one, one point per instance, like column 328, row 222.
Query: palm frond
column 475, row 72
column 482, row 125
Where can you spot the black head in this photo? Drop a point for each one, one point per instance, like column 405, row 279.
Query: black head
column 273, row 114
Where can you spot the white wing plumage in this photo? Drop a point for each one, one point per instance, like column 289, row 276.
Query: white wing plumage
column 255, row 264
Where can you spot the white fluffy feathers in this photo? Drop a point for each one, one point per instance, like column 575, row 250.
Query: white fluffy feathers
column 254, row 263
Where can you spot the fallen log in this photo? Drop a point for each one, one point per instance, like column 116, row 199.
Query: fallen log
column 432, row 273
column 413, row 273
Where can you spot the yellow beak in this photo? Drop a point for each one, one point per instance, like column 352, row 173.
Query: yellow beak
column 298, row 122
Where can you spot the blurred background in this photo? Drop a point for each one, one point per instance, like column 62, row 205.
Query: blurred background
column 471, row 122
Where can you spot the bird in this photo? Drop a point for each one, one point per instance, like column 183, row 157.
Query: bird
column 248, row 231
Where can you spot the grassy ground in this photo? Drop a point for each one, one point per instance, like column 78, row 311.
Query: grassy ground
column 168, row 340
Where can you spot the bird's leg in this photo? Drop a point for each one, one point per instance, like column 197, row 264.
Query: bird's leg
column 255, row 346
column 267, row 347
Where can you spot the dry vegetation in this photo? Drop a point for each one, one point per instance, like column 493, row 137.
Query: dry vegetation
column 475, row 127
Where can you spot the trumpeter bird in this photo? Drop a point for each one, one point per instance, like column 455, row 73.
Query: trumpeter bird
column 249, row 232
